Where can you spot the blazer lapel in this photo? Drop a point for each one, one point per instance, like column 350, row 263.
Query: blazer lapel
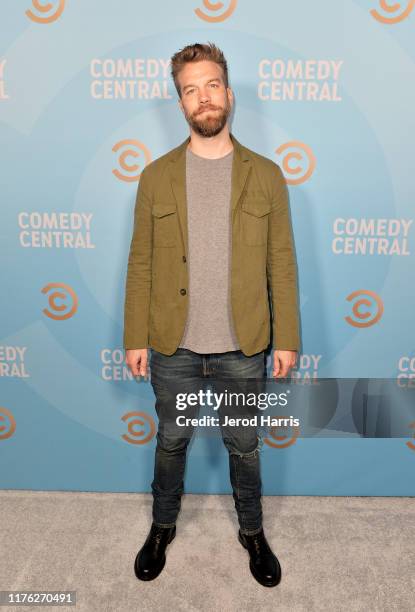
column 241, row 166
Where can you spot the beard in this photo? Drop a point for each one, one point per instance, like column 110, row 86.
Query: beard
column 210, row 122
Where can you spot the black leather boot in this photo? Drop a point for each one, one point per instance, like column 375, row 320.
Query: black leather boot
column 151, row 557
column 263, row 564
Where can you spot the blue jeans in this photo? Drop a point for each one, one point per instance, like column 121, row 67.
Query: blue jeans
column 188, row 372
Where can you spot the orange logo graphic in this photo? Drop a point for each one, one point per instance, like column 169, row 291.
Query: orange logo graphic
column 139, row 437
column 368, row 317
column 6, row 431
column 57, row 7
column 216, row 6
column 289, row 440
column 302, row 152
column 135, row 150
column 394, row 11
column 57, row 311
column 410, row 444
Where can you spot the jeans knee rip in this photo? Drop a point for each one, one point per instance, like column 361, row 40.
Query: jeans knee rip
column 257, row 450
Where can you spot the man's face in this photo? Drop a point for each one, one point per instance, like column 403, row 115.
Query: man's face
column 205, row 102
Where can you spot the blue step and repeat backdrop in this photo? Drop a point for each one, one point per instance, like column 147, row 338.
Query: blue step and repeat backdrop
column 327, row 91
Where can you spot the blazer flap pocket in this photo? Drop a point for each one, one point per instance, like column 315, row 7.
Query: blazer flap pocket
column 257, row 206
column 161, row 209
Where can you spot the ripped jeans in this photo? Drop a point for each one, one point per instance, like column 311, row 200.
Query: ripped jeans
column 188, row 372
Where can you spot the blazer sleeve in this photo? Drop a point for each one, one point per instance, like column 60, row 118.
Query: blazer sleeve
column 281, row 269
column 138, row 279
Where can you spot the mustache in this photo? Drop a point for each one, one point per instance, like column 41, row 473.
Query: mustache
column 207, row 108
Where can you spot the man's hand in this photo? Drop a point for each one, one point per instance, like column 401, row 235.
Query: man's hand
column 136, row 359
column 283, row 362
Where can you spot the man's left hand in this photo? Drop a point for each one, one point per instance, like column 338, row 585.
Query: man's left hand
column 283, row 362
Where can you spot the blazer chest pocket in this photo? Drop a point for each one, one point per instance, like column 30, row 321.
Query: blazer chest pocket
column 164, row 224
column 255, row 213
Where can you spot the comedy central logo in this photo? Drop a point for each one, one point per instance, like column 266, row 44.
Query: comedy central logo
column 146, row 431
column 279, row 440
column 130, row 148
column 6, row 431
column 62, row 300
column 304, row 161
column 40, row 8
column 393, row 13
column 215, row 11
column 372, row 308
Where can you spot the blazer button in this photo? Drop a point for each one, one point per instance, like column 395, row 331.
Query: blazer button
column 184, row 258
column 183, row 291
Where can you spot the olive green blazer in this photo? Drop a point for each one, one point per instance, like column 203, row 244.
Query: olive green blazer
column 263, row 266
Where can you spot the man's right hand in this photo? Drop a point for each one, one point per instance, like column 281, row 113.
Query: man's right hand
column 136, row 359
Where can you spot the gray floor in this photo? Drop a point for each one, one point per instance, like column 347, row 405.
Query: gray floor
column 336, row 553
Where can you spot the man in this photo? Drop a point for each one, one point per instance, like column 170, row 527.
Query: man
column 211, row 237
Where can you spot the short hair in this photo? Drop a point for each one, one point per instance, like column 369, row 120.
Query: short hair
column 196, row 53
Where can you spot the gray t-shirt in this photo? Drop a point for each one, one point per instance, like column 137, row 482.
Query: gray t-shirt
column 209, row 326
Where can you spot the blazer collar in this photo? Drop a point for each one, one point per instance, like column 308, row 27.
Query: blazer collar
column 241, row 166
